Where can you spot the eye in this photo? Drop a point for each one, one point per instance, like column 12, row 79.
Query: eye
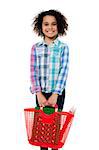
column 54, row 23
column 46, row 24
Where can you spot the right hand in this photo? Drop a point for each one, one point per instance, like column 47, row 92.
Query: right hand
column 41, row 99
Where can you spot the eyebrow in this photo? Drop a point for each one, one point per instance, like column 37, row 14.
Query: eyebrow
column 48, row 22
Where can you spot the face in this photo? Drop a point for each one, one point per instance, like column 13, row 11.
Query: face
column 49, row 27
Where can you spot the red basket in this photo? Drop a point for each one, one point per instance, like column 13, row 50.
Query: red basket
column 47, row 130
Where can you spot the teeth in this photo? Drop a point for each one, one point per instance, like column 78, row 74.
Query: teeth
column 50, row 32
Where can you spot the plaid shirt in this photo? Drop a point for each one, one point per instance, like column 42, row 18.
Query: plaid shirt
column 49, row 67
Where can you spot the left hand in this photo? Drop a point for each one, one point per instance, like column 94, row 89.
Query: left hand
column 52, row 99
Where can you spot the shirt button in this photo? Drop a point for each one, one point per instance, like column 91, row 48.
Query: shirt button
column 45, row 45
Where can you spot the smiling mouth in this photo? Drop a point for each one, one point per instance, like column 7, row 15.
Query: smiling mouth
column 50, row 32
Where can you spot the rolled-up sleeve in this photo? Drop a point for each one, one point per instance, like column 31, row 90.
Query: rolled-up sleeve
column 63, row 73
column 35, row 86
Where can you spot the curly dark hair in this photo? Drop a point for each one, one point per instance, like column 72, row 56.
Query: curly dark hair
column 61, row 22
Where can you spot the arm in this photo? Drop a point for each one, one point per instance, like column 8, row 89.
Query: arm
column 35, row 86
column 61, row 81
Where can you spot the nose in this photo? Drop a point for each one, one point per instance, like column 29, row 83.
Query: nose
column 50, row 27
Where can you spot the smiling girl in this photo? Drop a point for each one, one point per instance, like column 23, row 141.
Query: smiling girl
column 49, row 60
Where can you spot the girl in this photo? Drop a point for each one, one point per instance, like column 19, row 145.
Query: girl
column 49, row 60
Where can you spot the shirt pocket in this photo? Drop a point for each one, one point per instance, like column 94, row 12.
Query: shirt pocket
column 40, row 59
column 55, row 62
column 40, row 54
column 56, row 57
column 56, row 52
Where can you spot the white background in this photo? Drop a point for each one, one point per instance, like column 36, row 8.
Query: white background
column 16, row 39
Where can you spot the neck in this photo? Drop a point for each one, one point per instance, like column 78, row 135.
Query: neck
column 49, row 40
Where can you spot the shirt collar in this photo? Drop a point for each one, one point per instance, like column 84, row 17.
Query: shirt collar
column 55, row 42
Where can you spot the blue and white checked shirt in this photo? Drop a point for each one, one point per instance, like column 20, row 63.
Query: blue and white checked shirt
column 49, row 67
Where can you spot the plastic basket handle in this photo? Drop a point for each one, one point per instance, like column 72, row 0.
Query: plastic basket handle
column 56, row 107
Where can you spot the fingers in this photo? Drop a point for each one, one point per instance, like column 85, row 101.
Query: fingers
column 42, row 100
column 52, row 102
column 43, row 103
